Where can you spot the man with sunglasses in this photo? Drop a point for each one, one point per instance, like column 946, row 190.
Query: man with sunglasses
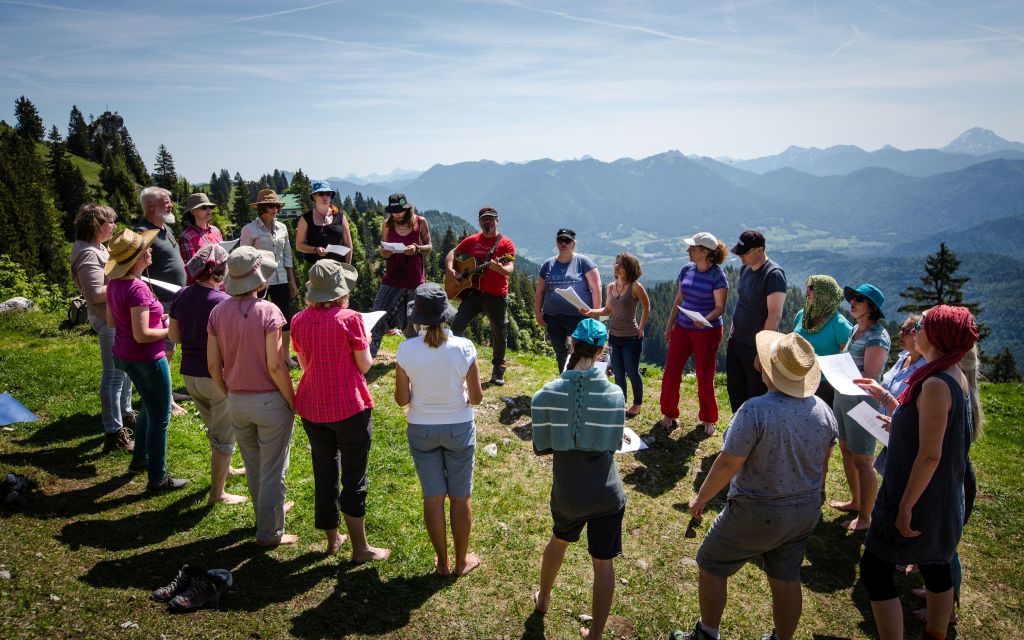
column 762, row 292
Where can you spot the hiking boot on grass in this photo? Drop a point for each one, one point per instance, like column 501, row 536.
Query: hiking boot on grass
column 178, row 585
column 498, row 375
column 696, row 634
column 130, row 419
column 167, row 484
column 120, row 440
column 204, row 589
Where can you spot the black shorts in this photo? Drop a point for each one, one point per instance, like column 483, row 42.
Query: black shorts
column 281, row 296
column 604, row 532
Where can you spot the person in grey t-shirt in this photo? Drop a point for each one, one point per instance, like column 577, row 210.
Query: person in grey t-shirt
column 774, row 461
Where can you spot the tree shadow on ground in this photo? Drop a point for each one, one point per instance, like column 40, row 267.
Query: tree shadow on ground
column 73, row 462
column 362, row 604
column 665, row 462
column 139, row 529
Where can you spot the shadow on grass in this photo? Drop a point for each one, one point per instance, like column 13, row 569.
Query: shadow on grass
column 533, row 628
column 73, row 462
column 84, row 501
column 140, row 529
column 79, row 425
column 362, row 604
column 517, row 408
column 665, row 462
column 379, row 369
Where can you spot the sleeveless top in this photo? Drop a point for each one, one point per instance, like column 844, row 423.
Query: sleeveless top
column 402, row 271
column 321, row 236
column 622, row 323
column 939, row 513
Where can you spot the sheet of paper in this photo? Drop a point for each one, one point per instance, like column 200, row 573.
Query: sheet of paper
column 867, row 417
column 338, row 249
column 573, row 298
column 370, row 319
column 631, row 442
column 693, row 315
column 12, row 411
column 229, row 245
column 166, row 286
column 393, row 246
column 841, row 371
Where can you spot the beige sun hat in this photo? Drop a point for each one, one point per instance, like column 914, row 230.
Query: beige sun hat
column 267, row 196
column 198, row 200
column 330, row 280
column 126, row 247
column 249, row 269
column 789, row 362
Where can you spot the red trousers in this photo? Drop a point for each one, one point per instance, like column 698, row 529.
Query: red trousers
column 703, row 346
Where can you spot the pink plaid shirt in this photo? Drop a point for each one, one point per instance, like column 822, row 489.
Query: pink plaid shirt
column 331, row 388
column 192, row 238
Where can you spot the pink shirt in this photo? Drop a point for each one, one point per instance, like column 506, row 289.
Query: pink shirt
column 332, row 387
column 241, row 326
column 122, row 296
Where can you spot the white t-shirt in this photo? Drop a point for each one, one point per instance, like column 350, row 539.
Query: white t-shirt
column 438, row 380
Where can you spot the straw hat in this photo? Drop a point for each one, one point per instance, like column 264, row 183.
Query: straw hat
column 330, row 280
column 126, row 247
column 789, row 362
column 267, row 196
column 249, row 269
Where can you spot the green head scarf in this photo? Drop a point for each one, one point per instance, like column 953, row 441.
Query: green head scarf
column 828, row 295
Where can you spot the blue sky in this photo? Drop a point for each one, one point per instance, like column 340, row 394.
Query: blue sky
column 336, row 87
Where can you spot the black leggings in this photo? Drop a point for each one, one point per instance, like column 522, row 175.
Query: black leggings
column 877, row 576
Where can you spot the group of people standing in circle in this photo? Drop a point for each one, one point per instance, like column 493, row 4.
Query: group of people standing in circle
column 234, row 322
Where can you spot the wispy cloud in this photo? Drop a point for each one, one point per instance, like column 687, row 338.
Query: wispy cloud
column 351, row 43
column 856, row 36
column 284, row 12
column 1009, row 35
column 51, row 7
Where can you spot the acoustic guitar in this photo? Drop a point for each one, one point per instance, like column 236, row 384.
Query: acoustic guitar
column 470, row 271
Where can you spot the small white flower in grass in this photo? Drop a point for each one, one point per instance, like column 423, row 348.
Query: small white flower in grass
column 129, row 625
column 54, row 598
column 491, row 449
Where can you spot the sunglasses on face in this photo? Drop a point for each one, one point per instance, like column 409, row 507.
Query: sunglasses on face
column 859, row 298
column 563, row 241
column 272, row 206
column 919, row 326
column 205, row 208
column 906, row 331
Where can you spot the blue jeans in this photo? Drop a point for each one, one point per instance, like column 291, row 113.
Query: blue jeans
column 115, row 386
column 153, row 381
column 626, row 364
column 560, row 327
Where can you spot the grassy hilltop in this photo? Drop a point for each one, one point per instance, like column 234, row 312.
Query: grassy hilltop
column 85, row 554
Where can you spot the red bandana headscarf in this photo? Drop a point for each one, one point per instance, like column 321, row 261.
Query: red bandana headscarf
column 952, row 331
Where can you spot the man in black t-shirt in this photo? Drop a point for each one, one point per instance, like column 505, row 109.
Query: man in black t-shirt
column 762, row 292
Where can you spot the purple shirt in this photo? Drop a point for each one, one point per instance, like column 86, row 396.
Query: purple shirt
column 698, row 291
column 191, row 308
column 122, row 296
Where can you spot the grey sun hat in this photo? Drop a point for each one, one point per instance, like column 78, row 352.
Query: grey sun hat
column 702, row 239
column 198, row 200
column 249, row 269
column 330, row 280
column 431, row 306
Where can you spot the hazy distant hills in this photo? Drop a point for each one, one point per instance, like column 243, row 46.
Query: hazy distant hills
column 980, row 141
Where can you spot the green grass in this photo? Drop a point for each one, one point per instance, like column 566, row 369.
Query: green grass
column 90, row 170
column 85, row 554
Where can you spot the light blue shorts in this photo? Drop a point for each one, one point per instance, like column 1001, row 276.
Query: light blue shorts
column 443, row 455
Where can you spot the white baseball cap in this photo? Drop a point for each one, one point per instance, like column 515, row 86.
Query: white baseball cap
column 703, row 239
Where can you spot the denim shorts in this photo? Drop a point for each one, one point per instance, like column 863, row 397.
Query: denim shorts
column 443, row 455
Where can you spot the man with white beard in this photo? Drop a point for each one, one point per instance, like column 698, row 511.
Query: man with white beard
column 158, row 213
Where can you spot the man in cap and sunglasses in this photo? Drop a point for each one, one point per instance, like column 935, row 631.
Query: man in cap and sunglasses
column 773, row 460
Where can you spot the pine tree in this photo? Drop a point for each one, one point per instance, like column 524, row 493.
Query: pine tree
column 301, row 187
column 132, row 158
column 78, row 134
column 118, row 183
column 1003, row 368
column 69, row 185
column 241, row 212
column 939, row 284
column 164, row 174
column 30, row 125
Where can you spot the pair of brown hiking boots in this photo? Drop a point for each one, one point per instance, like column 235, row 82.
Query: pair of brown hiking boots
column 193, row 588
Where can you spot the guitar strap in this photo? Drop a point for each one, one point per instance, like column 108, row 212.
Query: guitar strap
column 494, row 247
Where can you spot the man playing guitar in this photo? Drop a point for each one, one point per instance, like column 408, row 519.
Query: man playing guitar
column 491, row 297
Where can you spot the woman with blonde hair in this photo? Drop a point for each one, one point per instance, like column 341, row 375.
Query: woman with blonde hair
column 335, row 404
column 438, row 379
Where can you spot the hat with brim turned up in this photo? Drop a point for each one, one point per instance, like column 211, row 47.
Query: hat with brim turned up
column 789, row 362
column 126, row 247
column 249, row 269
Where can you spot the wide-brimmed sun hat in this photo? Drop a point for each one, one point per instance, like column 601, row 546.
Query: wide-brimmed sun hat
column 197, row 200
column 869, row 291
column 591, row 331
column 267, row 196
column 431, row 307
column 322, row 186
column 330, row 280
column 789, row 362
column 126, row 247
column 702, row 239
column 249, row 269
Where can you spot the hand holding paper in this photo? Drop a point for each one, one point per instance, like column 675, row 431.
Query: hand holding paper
column 394, row 247
column 338, row 249
column 370, row 319
column 693, row 315
column 840, row 371
column 868, row 418
column 573, row 298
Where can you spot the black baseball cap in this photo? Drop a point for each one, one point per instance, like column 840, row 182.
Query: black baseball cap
column 565, row 233
column 749, row 239
column 488, row 212
column 397, row 202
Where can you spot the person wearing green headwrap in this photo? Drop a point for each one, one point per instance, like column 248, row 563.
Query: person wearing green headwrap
column 821, row 324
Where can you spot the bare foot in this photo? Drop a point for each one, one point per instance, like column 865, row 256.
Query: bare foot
column 177, row 410
column 709, row 428
column 334, row 545
column 857, row 524
column 634, row 411
column 227, row 498
column 288, row 538
column 845, row 506
column 584, row 632
column 236, row 472
column 472, row 562
column 537, row 605
column 370, row 554
column 668, row 424
column 288, row 506
column 442, row 570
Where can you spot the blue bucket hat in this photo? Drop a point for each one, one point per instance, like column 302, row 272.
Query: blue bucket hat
column 322, row 186
column 591, row 331
column 869, row 291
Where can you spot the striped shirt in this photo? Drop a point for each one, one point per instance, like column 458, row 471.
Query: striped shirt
column 698, row 291
column 579, row 410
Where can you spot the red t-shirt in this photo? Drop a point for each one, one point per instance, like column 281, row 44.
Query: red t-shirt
column 478, row 246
